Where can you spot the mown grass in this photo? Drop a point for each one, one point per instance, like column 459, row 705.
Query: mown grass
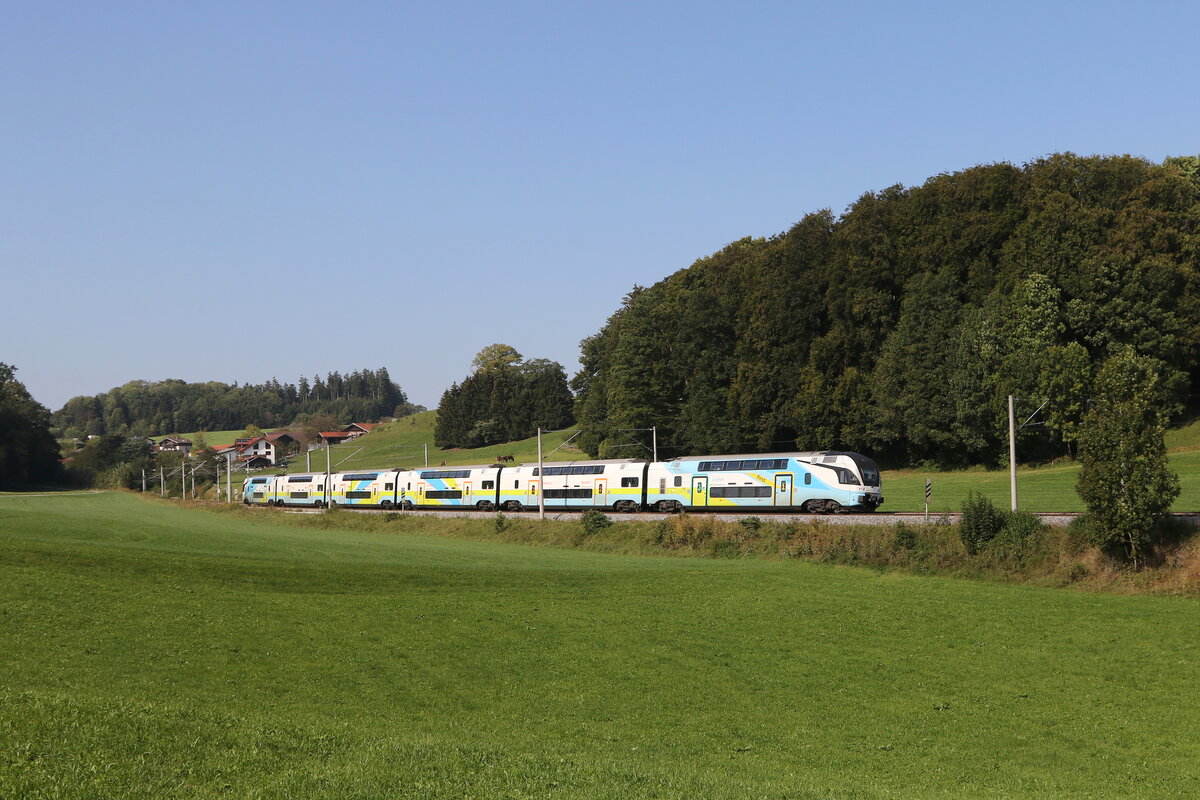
column 156, row 651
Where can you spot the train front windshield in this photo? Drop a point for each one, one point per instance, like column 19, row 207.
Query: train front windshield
column 870, row 472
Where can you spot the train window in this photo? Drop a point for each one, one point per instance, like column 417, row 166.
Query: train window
column 662, row 484
column 516, row 484
column 568, row 494
column 808, row 479
column 678, row 480
column 410, row 486
column 446, row 473
column 361, row 476
column 489, row 484
column 300, row 479
column 783, row 486
column 389, row 486
column 320, row 487
column 444, row 494
column 629, row 483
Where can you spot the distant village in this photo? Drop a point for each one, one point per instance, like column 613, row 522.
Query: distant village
column 268, row 450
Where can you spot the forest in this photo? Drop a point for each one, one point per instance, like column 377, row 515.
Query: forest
column 142, row 408
column 900, row 328
column 505, row 398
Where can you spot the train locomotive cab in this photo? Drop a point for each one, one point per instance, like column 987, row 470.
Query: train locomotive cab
column 849, row 481
column 258, row 491
column 815, row 482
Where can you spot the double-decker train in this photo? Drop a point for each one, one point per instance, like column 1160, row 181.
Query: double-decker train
column 814, row 482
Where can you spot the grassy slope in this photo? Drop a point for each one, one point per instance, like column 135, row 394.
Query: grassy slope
column 153, row 651
column 399, row 444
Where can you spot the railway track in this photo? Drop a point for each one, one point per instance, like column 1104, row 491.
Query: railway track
column 1054, row 519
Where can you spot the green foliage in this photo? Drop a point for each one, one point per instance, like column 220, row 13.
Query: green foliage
column 900, row 327
column 1123, row 477
column 981, row 522
column 28, row 450
column 593, row 521
column 503, row 400
column 145, row 408
column 112, row 461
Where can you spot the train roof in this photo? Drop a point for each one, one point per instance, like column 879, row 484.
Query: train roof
column 744, row 456
column 578, row 462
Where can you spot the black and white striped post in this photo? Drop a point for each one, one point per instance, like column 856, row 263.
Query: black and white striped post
column 928, row 494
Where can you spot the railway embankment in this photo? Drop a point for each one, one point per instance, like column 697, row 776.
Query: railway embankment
column 1045, row 550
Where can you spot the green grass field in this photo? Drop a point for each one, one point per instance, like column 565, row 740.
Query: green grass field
column 162, row 652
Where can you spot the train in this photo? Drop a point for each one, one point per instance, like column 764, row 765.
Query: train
column 811, row 482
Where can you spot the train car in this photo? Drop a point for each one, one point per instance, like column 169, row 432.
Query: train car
column 364, row 488
column 613, row 484
column 476, row 487
column 259, row 490
column 301, row 490
column 810, row 482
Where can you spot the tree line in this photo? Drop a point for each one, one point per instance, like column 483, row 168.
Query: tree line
column 505, row 398
column 145, row 408
column 28, row 450
column 900, row 328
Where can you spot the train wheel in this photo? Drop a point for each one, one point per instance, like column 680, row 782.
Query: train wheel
column 386, row 504
column 833, row 507
column 407, row 505
column 514, row 505
column 485, row 505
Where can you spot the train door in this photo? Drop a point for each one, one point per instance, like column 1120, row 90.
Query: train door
column 421, row 493
column 700, row 490
column 784, row 486
column 531, row 499
column 599, row 496
column 466, row 493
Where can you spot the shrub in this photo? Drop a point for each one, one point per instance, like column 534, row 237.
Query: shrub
column 751, row 524
column 904, row 538
column 981, row 521
column 501, row 522
column 593, row 521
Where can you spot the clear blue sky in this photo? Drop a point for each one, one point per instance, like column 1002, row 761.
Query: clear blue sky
column 235, row 191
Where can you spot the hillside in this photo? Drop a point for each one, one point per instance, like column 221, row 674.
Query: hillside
column 159, row 651
column 901, row 327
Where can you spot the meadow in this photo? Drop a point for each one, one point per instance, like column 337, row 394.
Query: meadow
column 159, row 651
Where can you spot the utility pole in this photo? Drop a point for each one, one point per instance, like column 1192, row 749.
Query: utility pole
column 1012, row 452
column 654, row 433
column 541, row 480
column 143, row 481
column 328, row 477
column 228, row 477
column 426, row 446
column 162, row 481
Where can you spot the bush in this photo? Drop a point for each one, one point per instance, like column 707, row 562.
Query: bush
column 905, row 537
column 981, row 521
column 500, row 521
column 593, row 521
column 751, row 524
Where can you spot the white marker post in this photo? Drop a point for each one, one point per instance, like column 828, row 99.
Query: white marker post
column 928, row 494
